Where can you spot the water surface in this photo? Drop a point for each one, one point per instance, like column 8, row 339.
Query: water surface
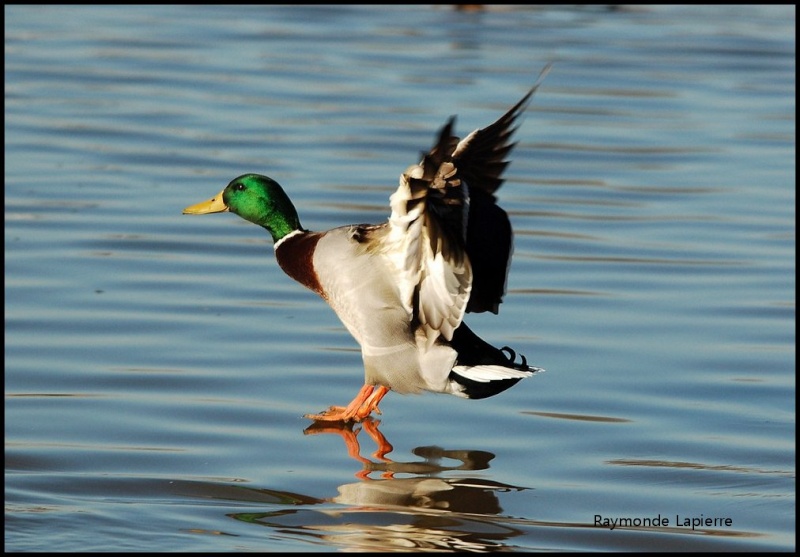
column 158, row 366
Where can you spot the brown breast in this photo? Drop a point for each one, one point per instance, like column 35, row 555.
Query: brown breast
column 295, row 256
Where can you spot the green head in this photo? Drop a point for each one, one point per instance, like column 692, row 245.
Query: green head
column 256, row 198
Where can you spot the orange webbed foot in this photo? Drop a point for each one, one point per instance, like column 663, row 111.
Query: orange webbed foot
column 365, row 402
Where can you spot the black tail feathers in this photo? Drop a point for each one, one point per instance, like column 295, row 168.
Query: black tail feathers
column 482, row 370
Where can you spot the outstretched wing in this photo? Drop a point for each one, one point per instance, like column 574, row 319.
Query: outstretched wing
column 426, row 239
column 448, row 241
column 481, row 158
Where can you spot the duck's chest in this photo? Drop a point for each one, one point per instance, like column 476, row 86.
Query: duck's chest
column 336, row 265
column 295, row 255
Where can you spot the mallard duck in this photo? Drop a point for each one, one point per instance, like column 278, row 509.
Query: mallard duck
column 402, row 287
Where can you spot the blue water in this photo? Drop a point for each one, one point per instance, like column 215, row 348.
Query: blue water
column 157, row 366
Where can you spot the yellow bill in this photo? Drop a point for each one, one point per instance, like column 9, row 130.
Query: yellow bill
column 213, row 205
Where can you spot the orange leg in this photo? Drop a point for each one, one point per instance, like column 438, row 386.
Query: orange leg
column 365, row 402
column 384, row 447
column 350, row 437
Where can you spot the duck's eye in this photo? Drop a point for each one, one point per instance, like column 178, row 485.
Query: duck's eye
column 240, row 187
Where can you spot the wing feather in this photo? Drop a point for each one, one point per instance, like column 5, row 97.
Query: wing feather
column 450, row 250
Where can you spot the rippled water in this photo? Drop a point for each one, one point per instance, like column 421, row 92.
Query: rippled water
column 158, row 366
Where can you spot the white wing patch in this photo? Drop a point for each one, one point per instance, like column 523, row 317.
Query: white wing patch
column 433, row 272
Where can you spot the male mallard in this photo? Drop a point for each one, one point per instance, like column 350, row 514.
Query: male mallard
column 402, row 287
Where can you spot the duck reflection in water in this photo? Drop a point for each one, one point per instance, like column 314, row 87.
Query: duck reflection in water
column 422, row 512
column 431, row 455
